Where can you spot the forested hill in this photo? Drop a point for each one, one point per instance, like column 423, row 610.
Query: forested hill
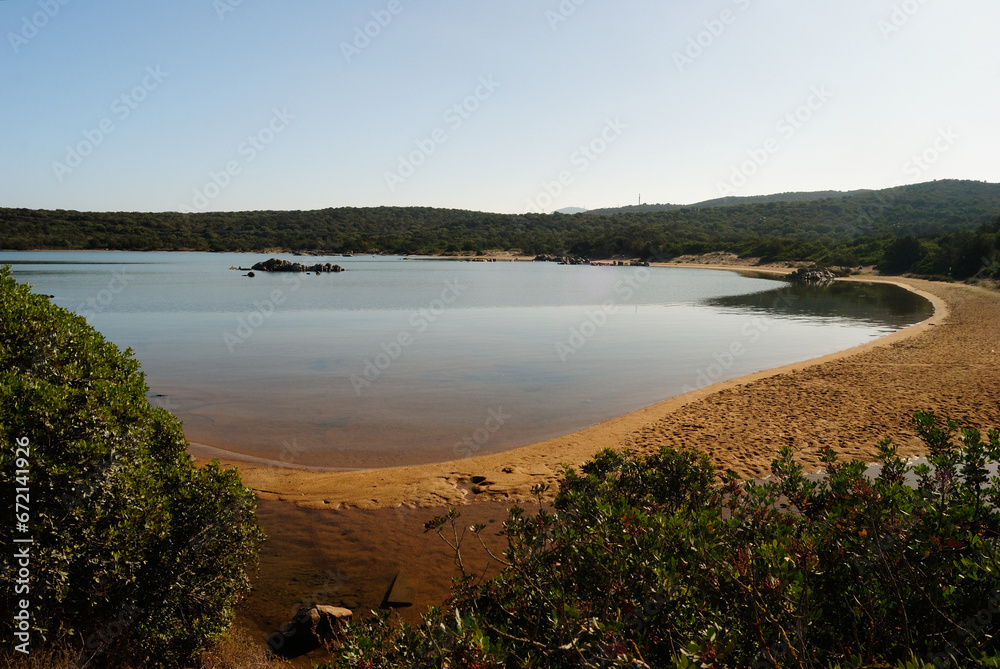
column 730, row 201
column 765, row 228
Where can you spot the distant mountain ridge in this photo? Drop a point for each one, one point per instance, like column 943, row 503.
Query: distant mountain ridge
column 732, row 201
column 763, row 226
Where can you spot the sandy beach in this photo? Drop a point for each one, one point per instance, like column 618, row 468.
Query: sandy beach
column 346, row 535
column 848, row 400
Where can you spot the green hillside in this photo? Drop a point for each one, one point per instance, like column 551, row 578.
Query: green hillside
column 730, row 201
column 838, row 230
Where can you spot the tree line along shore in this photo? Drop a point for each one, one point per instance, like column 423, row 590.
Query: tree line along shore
column 942, row 228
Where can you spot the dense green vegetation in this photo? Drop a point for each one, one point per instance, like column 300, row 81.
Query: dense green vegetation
column 655, row 562
column 847, row 229
column 958, row 255
column 731, row 200
column 135, row 553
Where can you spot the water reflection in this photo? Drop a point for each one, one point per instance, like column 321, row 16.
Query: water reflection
column 877, row 304
column 557, row 348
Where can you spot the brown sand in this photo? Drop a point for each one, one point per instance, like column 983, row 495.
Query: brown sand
column 949, row 364
column 368, row 524
column 350, row 558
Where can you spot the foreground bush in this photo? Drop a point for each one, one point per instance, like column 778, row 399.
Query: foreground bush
column 653, row 562
column 136, row 553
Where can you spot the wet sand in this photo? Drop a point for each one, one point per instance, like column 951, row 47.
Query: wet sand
column 369, row 522
column 352, row 558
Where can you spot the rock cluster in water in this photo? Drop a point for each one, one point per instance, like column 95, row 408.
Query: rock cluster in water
column 562, row 259
column 578, row 260
column 811, row 275
column 277, row 265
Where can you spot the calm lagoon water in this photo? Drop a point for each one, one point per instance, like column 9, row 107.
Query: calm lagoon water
column 399, row 360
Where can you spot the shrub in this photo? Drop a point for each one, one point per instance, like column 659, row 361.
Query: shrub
column 136, row 552
column 655, row 562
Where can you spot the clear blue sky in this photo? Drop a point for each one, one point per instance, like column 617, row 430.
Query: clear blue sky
column 268, row 91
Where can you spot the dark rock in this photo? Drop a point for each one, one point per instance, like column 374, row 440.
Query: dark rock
column 813, row 274
column 562, row 259
column 309, row 629
column 277, row 265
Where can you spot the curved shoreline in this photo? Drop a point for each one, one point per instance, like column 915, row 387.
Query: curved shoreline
column 509, row 475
